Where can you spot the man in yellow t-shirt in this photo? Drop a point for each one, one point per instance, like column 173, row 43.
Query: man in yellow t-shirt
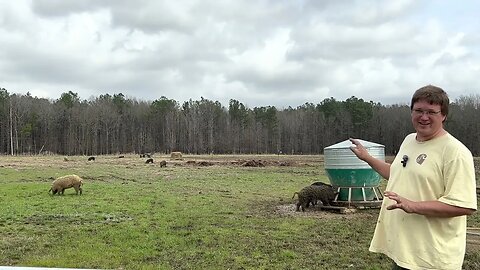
column 431, row 189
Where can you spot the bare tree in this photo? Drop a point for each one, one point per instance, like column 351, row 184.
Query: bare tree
column 115, row 124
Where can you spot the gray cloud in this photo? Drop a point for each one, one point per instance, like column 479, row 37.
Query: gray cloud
column 281, row 53
column 60, row 8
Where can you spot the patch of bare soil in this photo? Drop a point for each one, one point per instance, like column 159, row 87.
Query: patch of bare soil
column 290, row 210
column 473, row 239
column 263, row 163
column 239, row 162
column 197, row 163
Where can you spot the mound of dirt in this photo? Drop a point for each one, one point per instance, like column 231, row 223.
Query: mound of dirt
column 238, row 162
column 202, row 163
column 205, row 163
column 261, row 163
column 253, row 163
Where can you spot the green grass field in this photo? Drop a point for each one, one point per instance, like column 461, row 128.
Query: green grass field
column 203, row 212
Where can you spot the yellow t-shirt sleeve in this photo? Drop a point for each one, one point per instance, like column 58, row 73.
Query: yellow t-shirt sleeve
column 460, row 183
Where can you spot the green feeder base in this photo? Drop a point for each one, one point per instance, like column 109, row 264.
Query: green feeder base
column 370, row 197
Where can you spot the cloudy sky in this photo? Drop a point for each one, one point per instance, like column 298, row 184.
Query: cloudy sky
column 260, row 52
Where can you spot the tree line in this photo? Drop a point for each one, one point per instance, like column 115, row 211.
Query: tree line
column 114, row 124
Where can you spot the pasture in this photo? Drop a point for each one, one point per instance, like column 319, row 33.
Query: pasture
column 202, row 212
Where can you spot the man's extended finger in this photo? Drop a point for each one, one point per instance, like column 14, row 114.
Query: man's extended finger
column 391, row 207
column 389, row 193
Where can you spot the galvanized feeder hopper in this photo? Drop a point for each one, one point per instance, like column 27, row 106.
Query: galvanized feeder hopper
column 357, row 182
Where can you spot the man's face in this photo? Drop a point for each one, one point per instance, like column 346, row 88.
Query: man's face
column 427, row 119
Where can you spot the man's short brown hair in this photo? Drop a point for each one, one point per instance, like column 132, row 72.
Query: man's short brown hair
column 433, row 95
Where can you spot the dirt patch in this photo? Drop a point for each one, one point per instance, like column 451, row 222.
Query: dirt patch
column 240, row 162
column 473, row 246
column 253, row 163
column 200, row 163
column 473, row 239
column 205, row 163
column 131, row 161
column 262, row 163
column 290, row 210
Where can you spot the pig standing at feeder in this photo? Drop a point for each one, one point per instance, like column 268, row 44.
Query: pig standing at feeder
column 310, row 194
column 67, row 181
column 320, row 184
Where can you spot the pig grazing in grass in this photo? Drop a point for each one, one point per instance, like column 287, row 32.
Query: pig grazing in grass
column 67, row 181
